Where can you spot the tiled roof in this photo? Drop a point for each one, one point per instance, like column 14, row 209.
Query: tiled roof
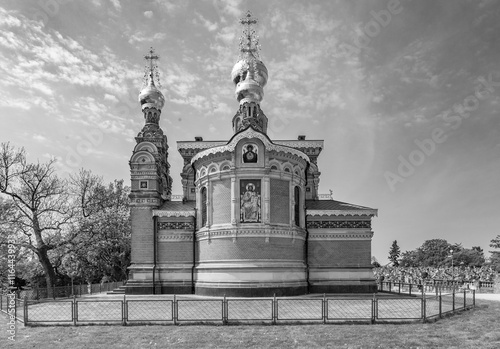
column 333, row 205
column 178, row 206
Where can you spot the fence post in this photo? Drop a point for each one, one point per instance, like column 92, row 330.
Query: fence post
column 53, row 291
column 124, row 310
column 474, row 298
column 440, row 306
column 374, row 308
column 25, row 310
column 224, row 309
column 275, row 308
column 453, row 294
column 399, row 287
column 324, row 308
column 465, row 299
column 410, row 288
column 74, row 309
column 175, row 310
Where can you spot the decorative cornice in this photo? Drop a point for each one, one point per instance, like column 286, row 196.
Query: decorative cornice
column 336, row 224
column 302, row 144
column 248, row 233
column 359, row 212
column 351, row 235
column 199, row 144
column 164, row 213
column 175, row 237
column 249, row 133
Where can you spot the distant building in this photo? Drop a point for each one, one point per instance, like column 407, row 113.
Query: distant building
column 251, row 222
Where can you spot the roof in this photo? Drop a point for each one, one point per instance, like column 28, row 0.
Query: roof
column 333, row 207
column 176, row 209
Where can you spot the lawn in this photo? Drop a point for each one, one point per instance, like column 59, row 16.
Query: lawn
column 478, row 328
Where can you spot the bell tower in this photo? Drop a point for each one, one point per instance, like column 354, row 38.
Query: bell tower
column 249, row 76
column 151, row 183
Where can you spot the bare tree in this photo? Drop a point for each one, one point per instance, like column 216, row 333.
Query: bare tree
column 41, row 211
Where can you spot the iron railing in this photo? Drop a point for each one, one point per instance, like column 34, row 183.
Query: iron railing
column 275, row 310
column 68, row 291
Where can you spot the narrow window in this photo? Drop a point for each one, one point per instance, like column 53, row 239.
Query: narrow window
column 297, row 206
column 203, row 206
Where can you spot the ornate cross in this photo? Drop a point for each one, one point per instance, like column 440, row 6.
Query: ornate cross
column 152, row 56
column 152, row 70
column 249, row 42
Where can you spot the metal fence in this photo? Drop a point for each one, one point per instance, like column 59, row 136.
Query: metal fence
column 436, row 286
column 175, row 310
column 68, row 291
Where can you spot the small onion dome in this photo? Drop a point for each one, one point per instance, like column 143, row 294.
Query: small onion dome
column 151, row 97
column 242, row 67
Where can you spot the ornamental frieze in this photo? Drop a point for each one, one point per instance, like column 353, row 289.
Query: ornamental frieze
column 175, row 237
column 176, row 225
column 236, row 233
column 340, row 236
column 357, row 212
column 162, row 213
column 338, row 224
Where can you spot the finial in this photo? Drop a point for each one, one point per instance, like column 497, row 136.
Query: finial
column 151, row 69
column 249, row 41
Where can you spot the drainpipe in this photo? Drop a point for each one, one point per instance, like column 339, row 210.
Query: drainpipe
column 194, row 252
column 155, row 232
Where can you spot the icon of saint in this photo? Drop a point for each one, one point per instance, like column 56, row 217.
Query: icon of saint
column 249, row 156
column 250, row 204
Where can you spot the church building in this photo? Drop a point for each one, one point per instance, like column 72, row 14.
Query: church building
column 250, row 222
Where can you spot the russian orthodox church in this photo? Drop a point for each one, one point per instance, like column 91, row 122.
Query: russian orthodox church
column 251, row 222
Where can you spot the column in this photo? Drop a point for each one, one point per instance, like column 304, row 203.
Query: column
column 266, row 191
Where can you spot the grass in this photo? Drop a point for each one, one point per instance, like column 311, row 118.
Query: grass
column 478, row 328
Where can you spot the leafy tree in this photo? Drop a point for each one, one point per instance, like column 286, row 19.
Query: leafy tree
column 495, row 255
column 394, row 253
column 375, row 263
column 409, row 259
column 40, row 210
column 470, row 257
column 102, row 245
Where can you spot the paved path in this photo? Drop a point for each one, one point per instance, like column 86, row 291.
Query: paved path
column 488, row 296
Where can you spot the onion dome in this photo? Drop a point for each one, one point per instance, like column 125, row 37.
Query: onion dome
column 150, row 96
column 249, row 74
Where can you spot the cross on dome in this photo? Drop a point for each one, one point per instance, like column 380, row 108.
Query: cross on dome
column 151, row 70
column 249, row 41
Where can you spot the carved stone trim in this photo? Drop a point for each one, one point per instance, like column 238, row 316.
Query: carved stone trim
column 249, row 133
column 176, row 226
column 351, row 235
column 365, row 224
column 175, row 237
column 358, row 212
column 242, row 233
column 163, row 213
column 301, row 144
column 199, row 145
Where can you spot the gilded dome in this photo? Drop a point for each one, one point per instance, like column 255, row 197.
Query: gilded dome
column 151, row 97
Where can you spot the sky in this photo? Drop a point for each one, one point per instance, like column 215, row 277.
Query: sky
column 405, row 94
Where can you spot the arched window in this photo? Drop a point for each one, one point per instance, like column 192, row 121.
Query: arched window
column 297, row 206
column 203, row 206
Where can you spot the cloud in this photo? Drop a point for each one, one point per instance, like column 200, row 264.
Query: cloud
column 116, row 4
column 148, row 14
column 210, row 26
column 39, row 138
